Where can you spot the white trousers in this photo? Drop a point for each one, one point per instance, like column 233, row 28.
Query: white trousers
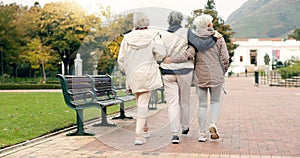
column 177, row 90
column 214, row 108
column 142, row 100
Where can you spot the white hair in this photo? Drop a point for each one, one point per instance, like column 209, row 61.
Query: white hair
column 175, row 18
column 140, row 20
column 203, row 21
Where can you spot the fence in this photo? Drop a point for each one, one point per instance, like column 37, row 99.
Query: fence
column 273, row 78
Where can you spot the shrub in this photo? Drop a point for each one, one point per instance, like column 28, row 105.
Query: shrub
column 290, row 71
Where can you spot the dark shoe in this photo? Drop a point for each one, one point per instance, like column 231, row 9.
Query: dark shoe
column 185, row 131
column 175, row 139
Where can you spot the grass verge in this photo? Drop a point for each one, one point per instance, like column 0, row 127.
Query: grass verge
column 28, row 115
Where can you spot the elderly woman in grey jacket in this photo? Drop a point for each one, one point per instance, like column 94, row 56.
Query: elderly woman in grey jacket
column 210, row 68
column 211, row 63
column 138, row 55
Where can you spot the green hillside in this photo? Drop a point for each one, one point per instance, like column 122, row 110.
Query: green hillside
column 265, row 18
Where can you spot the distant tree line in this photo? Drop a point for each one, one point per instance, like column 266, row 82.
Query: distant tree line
column 36, row 41
column 39, row 41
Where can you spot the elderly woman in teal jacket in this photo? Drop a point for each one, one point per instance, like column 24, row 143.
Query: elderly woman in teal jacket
column 138, row 55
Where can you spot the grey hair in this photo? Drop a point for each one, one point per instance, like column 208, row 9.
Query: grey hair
column 140, row 20
column 175, row 18
column 203, row 21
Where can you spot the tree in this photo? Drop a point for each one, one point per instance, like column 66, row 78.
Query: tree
column 63, row 27
column 11, row 33
column 219, row 25
column 61, row 30
column 115, row 30
column 101, row 45
column 295, row 34
column 89, row 44
column 38, row 56
column 109, row 57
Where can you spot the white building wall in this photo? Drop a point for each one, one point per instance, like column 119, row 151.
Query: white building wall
column 289, row 49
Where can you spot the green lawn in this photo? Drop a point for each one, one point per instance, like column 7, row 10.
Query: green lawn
column 24, row 116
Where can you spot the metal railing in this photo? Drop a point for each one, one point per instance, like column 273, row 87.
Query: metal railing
column 273, row 78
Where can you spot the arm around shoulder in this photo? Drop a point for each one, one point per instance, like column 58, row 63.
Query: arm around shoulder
column 187, row 55
column 218, row 35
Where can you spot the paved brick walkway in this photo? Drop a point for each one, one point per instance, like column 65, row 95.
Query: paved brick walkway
column 256, row 122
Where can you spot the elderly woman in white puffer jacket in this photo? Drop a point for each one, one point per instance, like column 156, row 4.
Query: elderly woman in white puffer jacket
column 139, row 52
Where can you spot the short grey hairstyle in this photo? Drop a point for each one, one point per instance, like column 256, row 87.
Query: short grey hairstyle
column 140, row 20
column 175, row 18
column 203, row 21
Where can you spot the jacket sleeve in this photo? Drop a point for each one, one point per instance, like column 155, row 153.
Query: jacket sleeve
column 121, row 55
column 159, row 49
column 188, row 54
column 224, row 56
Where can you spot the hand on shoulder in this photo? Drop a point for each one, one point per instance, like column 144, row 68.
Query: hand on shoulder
column 218, row 35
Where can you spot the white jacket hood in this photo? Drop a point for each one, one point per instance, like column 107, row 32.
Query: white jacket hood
column 139, row 39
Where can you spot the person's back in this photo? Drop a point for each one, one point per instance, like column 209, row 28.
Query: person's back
column 211, row 65
column 176, row 43
column 209, row 71
column 139, row 46
column 138, row 53
column 177, row 77
column 211, row 62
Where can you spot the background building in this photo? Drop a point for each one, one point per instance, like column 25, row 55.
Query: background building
column 253, row 51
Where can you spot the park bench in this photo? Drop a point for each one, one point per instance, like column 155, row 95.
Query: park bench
column 82, row 92
column 100, row 86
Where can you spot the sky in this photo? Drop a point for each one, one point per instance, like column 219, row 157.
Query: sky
column 224, row 7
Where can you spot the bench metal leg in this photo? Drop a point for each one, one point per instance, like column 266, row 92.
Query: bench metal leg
column 104, row 119
column 80, row 130
column 122, row 113
column 153, row 100
column 162, row 95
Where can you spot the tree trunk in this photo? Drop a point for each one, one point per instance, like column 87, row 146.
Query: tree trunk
column 44, row 73
column 66, row 65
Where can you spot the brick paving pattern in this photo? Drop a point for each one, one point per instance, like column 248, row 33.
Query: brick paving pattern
column 255, row 122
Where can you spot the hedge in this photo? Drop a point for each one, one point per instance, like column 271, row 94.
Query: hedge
column 28, row 86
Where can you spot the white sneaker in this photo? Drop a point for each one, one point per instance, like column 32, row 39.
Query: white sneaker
column 213, row 132
column 146, row 134
column 202, row 137
column 139, row 140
